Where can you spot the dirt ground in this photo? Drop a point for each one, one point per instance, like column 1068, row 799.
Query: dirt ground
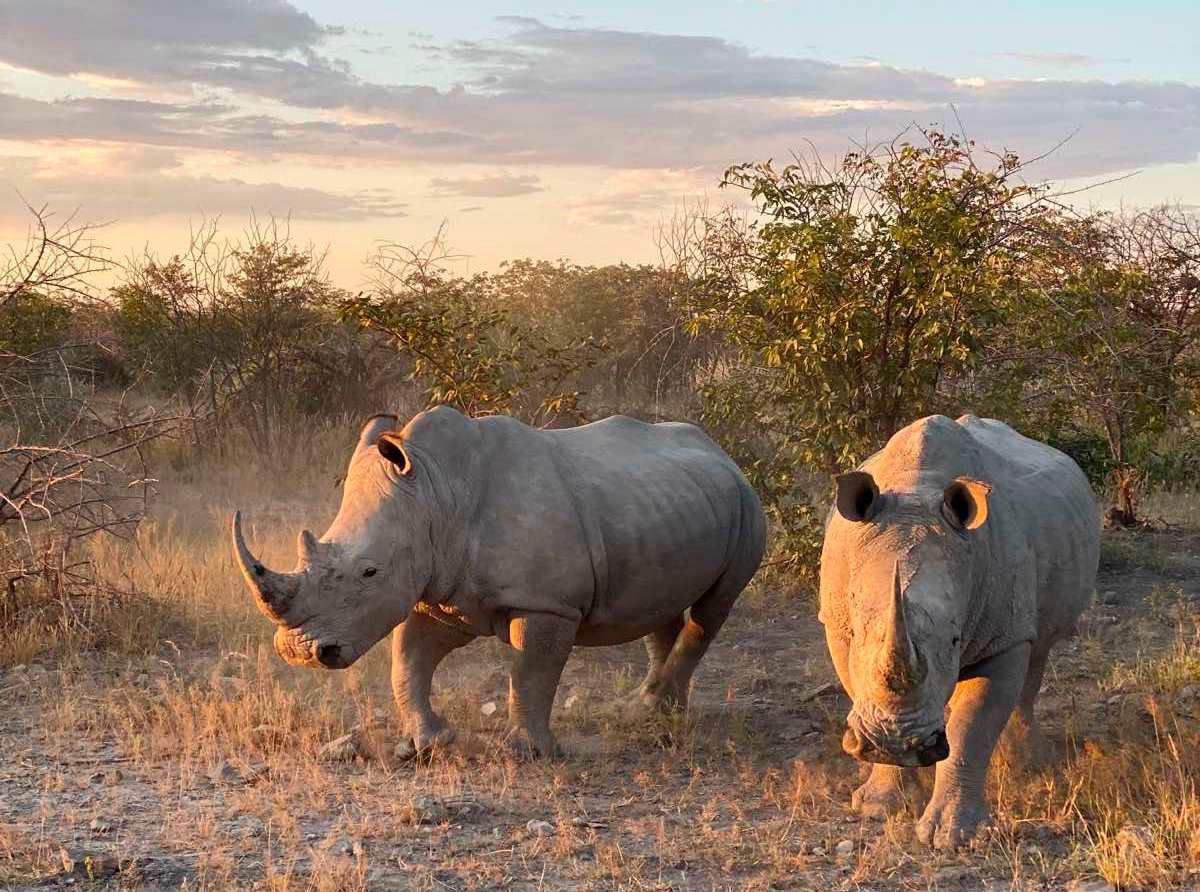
column 205, row 764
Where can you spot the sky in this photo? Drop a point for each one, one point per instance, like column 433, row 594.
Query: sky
column 552, row 129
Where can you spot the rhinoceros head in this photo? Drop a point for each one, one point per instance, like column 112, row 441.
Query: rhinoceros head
column 359, row 580
column 909, row 594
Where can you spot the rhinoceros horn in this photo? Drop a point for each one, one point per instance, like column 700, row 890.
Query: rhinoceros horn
column 898, row 657
column 273, row 592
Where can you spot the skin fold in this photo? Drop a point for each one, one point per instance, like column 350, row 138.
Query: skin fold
column 953, row 561
column 455, row 528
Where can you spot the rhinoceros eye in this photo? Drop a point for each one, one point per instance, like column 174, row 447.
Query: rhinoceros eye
column 369, row 572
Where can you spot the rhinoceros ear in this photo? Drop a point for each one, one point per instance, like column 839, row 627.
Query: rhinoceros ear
column 374, row 426
column 391, row 447
column 858, row 497
column 965, row 503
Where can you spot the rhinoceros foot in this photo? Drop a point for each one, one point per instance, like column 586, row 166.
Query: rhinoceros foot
column 882, row 795
column 656, row 698
column 952, row 821
column 525, row 747
column 425, row 741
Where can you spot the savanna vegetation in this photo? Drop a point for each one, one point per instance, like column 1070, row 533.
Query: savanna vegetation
column 840, row 302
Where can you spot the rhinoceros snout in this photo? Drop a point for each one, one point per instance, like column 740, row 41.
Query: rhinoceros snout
column 932, row 749
column 330, row 656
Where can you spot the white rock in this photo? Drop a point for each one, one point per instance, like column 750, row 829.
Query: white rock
column 541, row 828
column 570, row 702
column 489, row 708
column 845, row 847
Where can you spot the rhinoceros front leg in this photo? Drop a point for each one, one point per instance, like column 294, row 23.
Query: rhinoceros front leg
column 979, row 710
column 542, row 643
column 883, row 794
column 419, row 644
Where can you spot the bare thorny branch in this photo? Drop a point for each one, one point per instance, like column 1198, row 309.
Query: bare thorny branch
column 72, row 464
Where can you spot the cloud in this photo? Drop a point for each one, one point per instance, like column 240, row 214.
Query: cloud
column 124, row 185
column 1057, row 60
column 637, row 197
column 540, row 95
column 151, row 40
column 500, row 185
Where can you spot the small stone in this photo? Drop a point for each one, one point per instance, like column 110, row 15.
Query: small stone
column 588, row 823
column 845, row 847
column 489, row 708
column 1109, row 599
column 101, row 824
column 540, row 828
column 426, row 809
column 344, row 846
column 818, row 851
column 341, row 749
column 224, row 773
column 570, row 702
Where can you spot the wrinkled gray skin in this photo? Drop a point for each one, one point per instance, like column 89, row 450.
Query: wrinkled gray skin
column 455, row 528
column 954, row 559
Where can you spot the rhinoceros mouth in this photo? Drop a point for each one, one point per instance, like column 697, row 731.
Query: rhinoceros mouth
column 904, row 745
column 298, row 648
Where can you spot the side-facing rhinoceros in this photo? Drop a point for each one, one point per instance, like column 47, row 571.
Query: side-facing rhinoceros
column 456, row 527
column 954, row 559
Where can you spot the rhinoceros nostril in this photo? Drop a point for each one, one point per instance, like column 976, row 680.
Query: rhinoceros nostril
column 853, row 743
column 330, row 656
column 935, row 748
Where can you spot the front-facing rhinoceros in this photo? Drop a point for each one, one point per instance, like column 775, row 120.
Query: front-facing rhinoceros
column 456, row 527
column 954, row 559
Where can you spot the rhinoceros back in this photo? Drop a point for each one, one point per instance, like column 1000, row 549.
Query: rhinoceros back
column 1043, row 503
column 669, row 508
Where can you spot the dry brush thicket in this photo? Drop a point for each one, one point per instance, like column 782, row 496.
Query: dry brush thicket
column 152, row 738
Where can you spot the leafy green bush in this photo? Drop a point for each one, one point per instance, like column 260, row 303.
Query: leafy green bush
column 31, row 321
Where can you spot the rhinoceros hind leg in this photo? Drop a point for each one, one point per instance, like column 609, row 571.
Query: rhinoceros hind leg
column 703, row 623
column 542, row 643
column 659, row 691
column 1023, row 744
column 979, row 709
column 419, row 644
column 883, row 794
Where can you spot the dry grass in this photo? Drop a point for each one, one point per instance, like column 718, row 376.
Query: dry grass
column 173, row 720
